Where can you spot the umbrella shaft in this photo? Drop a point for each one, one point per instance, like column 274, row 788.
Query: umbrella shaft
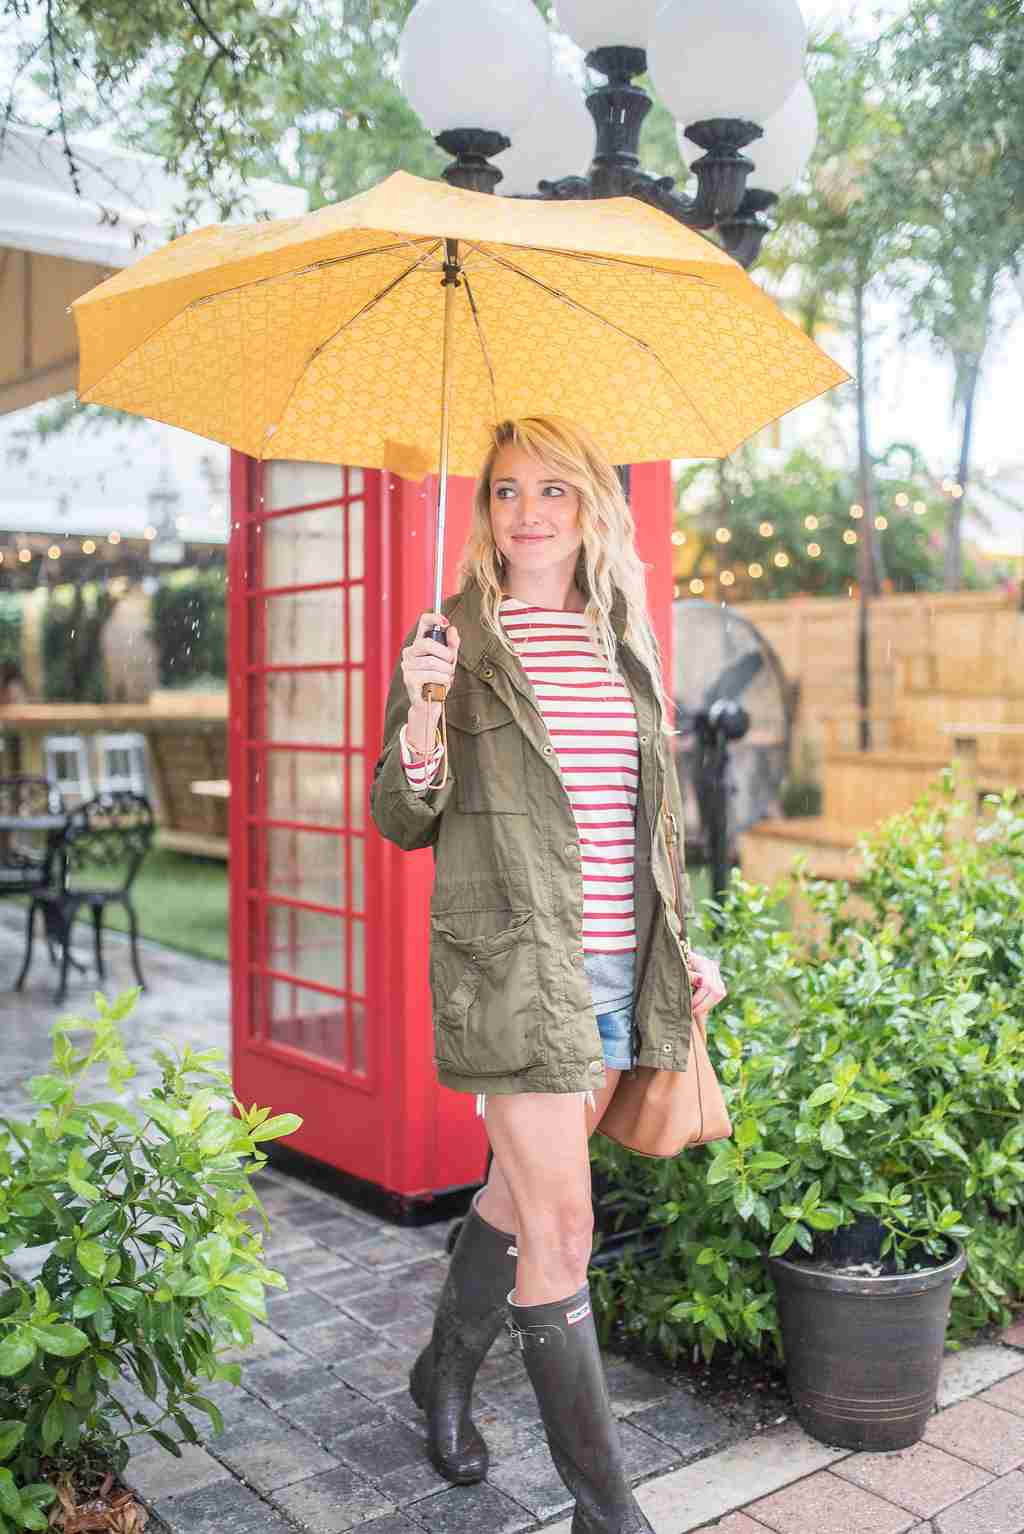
column 451, row 267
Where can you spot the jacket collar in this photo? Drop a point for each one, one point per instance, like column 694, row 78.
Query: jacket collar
column 477, row 643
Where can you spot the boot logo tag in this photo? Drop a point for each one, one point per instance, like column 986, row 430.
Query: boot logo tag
column 579, row 1314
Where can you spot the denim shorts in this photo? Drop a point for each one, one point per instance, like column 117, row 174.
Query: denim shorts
column 611, row 986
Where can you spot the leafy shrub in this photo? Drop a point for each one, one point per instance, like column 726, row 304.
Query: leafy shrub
column 73, row 626
column 152, row 1270
column 875, row 1071
column 189, row 626
column 10, row 628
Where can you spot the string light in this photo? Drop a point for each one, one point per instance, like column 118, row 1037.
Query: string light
column 24, row 555
column 956, row 492
column 856, row 511
column 677, row 536
column 727, row 578
column 149, row 533
column 114, row 537
column 849, row 536
column 755, row 571
column 881, row 523
column 782, row 559
column 88, row 547
column 901, row 499
column 920, row 508
column 722, row 534
column 814, row 549
column 947, row 485
column 766, row 529
column 53, row 552
column 811, row 524
column 696, row 585
column 675, row 589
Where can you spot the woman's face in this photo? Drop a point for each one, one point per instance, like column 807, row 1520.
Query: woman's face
column 535, row 515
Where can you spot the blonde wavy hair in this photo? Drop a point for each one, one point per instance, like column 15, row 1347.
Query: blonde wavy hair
column 607, row 562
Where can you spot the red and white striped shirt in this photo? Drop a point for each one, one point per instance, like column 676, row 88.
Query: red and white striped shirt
column 592, row 725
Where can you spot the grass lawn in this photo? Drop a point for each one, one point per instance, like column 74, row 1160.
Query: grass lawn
column 182, row 901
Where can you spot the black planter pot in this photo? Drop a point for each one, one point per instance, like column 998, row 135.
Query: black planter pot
column 863, row 1354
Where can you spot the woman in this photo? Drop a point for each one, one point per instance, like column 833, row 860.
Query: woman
column 556, row 957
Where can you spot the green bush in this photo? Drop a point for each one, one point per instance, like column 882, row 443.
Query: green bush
column 73, row 626
column 152, row 1268
column 189, row 627
column 10, row 628
column 875, row 1071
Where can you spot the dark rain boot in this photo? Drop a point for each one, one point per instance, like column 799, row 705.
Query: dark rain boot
column 470, row 1314
column 562, row 1358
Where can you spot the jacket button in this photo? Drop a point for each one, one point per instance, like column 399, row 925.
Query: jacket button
column 596, row 1066
column 644, row 739
column 666, row 1049
column 487, row 671
column 474, row 718
column 570, row 848
column 548, row 750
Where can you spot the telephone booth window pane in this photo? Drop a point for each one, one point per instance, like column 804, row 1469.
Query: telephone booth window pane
column 308, row 1020
column 357, row 1016
column 359, row 957
column 290, row 482
column 356, row 710
column 305, row 626
column 299, row 785
column 306, row 945
column 304, row 706
column 302, row 864
column 356, row 542
column 355, row 624
column 356, row 792
column 356, row 847
column 303, row 548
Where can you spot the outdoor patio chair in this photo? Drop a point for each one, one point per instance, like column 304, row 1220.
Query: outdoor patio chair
column 98, row 856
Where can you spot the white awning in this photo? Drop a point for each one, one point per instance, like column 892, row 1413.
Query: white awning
column 55, row 244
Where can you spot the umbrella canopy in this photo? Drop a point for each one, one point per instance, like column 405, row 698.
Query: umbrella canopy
column 322, row 337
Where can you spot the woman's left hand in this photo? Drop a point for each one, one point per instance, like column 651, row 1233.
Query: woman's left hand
column 708, row 986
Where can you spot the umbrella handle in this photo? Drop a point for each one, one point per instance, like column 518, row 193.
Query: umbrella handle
column 435, row 692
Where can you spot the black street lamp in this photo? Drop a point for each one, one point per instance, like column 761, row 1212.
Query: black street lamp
column 729, row 70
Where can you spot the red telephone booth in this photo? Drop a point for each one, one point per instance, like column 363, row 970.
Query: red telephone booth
column 328, row 568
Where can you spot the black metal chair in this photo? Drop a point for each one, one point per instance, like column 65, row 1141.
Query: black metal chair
column 98, row 855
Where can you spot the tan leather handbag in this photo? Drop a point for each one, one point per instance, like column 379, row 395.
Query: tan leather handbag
column 660, row 1113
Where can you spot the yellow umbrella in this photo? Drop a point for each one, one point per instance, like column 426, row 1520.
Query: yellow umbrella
column 342, row 335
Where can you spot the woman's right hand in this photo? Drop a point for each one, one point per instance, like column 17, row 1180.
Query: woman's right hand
column 427, row 661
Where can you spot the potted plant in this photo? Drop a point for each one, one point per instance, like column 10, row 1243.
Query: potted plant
column 151, row 1270
column 872, row 1078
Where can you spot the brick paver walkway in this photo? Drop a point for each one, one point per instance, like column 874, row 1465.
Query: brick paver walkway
column 323, row 1437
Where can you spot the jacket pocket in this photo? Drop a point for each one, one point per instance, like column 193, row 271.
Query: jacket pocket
column 484, row 993
column 488, row 754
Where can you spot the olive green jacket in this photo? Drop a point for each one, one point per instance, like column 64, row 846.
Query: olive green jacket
column 512, row 1008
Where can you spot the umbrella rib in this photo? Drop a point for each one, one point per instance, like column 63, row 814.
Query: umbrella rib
column 370, row 304
column 483, row 343
column 627, row 335
column 304, row 271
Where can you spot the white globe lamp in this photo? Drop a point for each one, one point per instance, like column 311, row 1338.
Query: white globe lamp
column 474, row 63
column 607, row 23
column 557, row 141
column 735, row 59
